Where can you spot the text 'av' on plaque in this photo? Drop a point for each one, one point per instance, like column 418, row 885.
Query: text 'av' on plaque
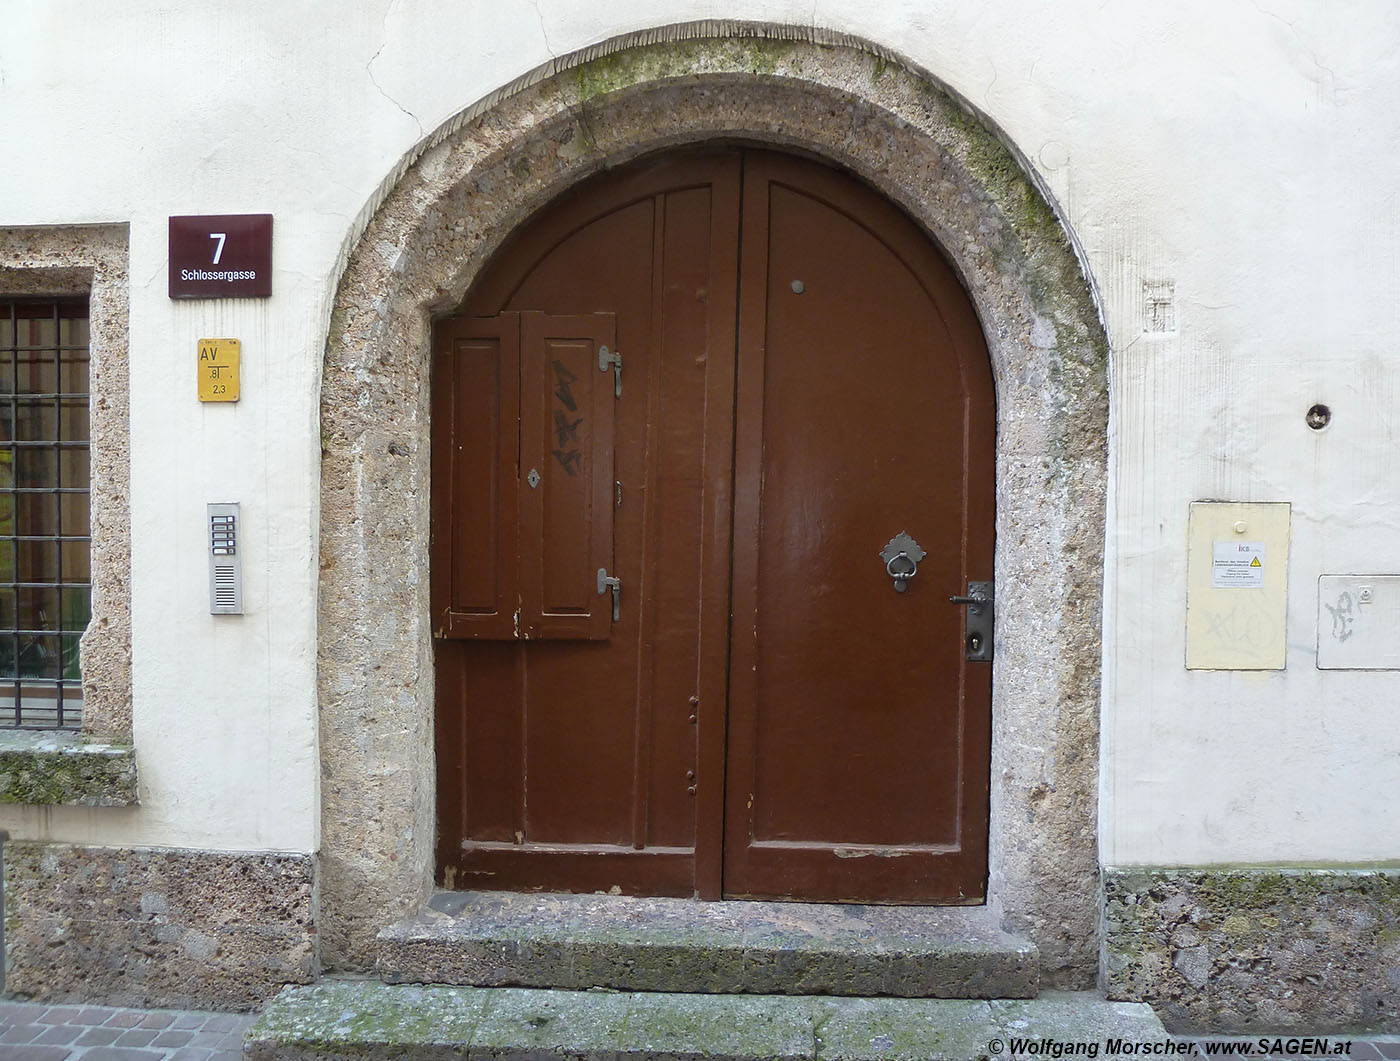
column 219, row 369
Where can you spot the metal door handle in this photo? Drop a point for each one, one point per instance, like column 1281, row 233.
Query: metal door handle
column 607, row 582
column 980, row 601
column 975, row 602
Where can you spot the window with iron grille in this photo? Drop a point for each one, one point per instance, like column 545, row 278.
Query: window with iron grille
column 45, row 576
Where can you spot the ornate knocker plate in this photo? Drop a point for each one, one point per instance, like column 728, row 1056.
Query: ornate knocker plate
column 901, row 557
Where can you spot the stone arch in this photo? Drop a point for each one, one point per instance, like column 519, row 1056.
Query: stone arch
column 437, row 221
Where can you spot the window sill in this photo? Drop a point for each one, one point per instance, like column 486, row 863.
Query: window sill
column 51, row 768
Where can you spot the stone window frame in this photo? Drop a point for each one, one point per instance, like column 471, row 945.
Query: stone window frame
column 96, row 767
column 438, row 218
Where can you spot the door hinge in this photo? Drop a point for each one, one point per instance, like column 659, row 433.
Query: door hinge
column 605, row 583
column 606, row 358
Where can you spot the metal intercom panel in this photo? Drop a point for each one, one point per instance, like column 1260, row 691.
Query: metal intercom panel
column 225, row 560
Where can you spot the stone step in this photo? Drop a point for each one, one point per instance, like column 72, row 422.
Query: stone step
column 576, row 942
column 364, row 1019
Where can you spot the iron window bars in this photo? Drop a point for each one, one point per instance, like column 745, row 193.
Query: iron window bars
column 45, row 574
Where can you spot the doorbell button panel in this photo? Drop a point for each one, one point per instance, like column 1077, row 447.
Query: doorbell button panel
column 225, row 559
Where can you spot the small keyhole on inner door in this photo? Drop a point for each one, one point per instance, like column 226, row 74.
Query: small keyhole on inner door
column 974, row 642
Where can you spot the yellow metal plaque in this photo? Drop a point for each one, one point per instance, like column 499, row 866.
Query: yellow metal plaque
column 218, row 370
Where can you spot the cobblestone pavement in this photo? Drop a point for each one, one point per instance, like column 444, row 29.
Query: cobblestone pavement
column 36, row 1032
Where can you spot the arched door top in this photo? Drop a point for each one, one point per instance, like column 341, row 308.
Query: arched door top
column 763, row 711
column 442, row 215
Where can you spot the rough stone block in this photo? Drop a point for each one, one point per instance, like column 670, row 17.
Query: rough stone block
column 492, row 939
column 1256, row 949
column 364, row 1020
column 51, row 768
column 154, row 927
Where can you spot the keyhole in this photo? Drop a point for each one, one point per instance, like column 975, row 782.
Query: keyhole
column 974, row 642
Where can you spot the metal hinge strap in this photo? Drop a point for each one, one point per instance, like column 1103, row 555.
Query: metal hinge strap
column 613, row 359
column 605, row 583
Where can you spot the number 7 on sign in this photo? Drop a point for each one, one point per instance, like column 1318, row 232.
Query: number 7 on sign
column 219, row 250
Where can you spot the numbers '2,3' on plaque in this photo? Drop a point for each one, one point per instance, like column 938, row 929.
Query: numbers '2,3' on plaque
column 221, row 256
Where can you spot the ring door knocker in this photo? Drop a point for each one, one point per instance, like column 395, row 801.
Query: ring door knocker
column 902, row 556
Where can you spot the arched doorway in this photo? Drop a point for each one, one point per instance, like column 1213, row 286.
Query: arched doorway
column 439, row 219
column 757, row 707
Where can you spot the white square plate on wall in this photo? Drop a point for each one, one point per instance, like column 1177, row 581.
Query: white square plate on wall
column 1358, row 622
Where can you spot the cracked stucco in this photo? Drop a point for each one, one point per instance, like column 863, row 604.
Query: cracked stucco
column 369, row 69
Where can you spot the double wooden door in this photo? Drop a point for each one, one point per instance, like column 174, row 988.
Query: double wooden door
column 674, row 425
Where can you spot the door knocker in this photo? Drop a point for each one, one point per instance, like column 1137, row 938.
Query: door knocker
column 901, row 557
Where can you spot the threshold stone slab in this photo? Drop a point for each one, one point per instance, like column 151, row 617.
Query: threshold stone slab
column 496, row 939
column 372, row 1021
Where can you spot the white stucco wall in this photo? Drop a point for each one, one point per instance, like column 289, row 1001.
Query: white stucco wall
column 1247, row 154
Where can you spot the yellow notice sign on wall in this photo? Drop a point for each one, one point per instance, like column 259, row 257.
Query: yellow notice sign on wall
column 218, row 370
column 1237, row 585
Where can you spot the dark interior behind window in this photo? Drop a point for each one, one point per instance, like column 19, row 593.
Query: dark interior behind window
column 44, row 517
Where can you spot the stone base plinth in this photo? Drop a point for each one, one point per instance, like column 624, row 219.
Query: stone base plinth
column 157, row 927
column 1267, row 949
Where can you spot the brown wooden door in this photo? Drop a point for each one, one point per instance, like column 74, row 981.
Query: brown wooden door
column 564, row 762
column 802, row 378
column 858, row 733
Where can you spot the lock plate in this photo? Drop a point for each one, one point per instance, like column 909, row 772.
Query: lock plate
column 980, row 621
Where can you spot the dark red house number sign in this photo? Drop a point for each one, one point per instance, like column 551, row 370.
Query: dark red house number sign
column 221, row 256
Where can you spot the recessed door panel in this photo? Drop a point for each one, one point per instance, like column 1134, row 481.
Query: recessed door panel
column 476, row 451
column 566, row 491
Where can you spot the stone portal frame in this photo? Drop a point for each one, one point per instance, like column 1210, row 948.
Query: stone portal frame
column 437, row 222
column 91, row 260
